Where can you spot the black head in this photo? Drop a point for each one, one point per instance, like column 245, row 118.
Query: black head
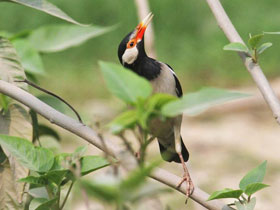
column 131, row 49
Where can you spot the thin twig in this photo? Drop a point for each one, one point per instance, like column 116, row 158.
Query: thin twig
column 254, row 69
column 89, row 135
column 127, row 144
column 67, row 195
column 52, row 94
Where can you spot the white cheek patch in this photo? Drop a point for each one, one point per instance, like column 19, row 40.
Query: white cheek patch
column 130, row 55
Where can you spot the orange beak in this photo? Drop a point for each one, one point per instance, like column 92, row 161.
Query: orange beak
column 141, row 28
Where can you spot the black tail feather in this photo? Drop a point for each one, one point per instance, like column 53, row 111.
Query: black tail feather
column 173, row 156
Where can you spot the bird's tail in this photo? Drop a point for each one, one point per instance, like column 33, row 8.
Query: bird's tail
column 171, row 155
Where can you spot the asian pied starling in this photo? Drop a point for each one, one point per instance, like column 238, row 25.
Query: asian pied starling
column 132, row 55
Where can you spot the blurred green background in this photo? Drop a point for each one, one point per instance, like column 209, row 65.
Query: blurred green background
column 186, row 37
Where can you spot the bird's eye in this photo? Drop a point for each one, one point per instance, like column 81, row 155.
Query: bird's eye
column 131, row 44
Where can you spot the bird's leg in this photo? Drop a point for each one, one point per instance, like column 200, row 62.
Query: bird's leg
column 186, row 178
column 178, row 147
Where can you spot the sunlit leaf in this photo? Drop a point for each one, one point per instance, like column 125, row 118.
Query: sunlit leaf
column 236, row 46
column 263, row 47
column 54, row 38
column 92, row 163
column 254, row 176
column 36, row 159
column 225, row 193
column 29, row 57
column 46, row 7
column 125, row 84
column 254, row 187
column 197, row 102
column 158, row 100
column 125, row 120
column 254, row 40
column 37, row 180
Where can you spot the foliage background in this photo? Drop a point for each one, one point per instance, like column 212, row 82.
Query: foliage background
column 187, row 38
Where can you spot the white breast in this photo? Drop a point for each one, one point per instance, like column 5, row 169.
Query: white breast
column 165, row 82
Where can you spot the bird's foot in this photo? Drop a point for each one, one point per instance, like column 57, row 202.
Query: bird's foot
column 189, row 187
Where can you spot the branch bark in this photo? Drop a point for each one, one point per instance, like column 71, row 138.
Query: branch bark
column 89, row 135
column 143, row 10
column 254, row 69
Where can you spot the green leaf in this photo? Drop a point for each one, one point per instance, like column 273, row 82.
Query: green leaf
column 158, row 100
column 41, row 204
column 53, row 102
column 246, row 206
column 46, row 7
column 15, row 121
column 37, row 180
column 29, row 57
column 137, row 177
column 45, row 130
column 54, row 38
column 106, row 192
column 254, row 187
column 38, row 192
column 263, row 47
column 60, row 161
column 254, row 40
column 254, row 176
column 80, row 151
column 125, row 120
column 236, row 46
column 125, row 84
column 225, row 193
column 92, row 163
column 197, row 102
column 36, row 159
column 10, row 66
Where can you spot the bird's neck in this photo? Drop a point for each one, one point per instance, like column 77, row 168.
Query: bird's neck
column 146, row 67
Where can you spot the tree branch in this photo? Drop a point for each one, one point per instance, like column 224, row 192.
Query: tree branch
column 89, row 135
column 254, row 69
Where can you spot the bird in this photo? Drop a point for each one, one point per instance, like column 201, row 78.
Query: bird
column 132, row 55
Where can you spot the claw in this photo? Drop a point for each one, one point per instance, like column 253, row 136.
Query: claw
column 186, row 178
column 190, row 187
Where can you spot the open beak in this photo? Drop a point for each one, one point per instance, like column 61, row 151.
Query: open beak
column 141, row 28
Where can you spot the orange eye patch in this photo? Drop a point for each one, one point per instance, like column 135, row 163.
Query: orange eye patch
column 131, row 43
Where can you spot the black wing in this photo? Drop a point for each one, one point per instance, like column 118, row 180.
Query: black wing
column 178, row 85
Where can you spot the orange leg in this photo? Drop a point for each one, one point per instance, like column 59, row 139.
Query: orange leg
column 186, row 178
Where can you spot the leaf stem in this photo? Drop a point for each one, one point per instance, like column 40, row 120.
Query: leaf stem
column 67, row 195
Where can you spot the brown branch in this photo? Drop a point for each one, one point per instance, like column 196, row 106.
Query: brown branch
column 89, row 135
column 254, row 69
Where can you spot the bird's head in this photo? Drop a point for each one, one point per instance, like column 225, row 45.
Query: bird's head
column 131, row 47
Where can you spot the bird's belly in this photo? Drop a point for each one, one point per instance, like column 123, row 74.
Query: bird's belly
column 162, row 129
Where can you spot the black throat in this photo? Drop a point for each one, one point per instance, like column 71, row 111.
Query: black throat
column 143, row 66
